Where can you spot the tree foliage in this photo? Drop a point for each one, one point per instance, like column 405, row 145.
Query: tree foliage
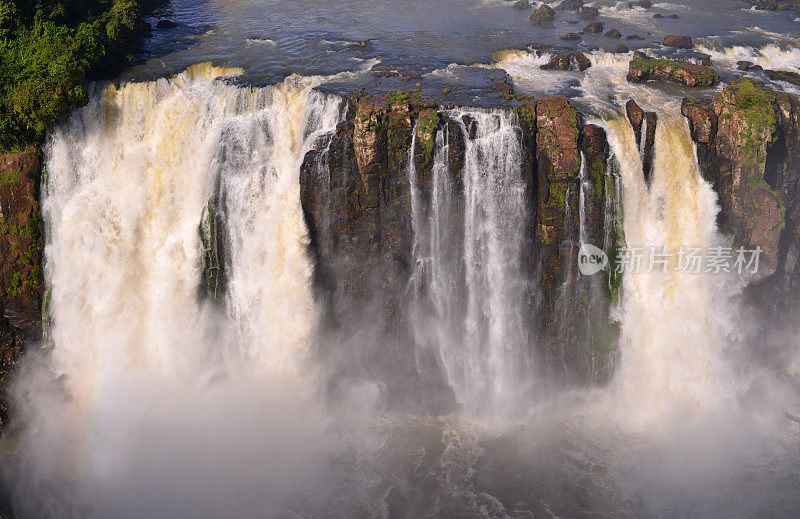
column 48, row 51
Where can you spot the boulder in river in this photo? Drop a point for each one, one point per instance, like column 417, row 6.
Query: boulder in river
column 570, row 5
column 645, row 69
column 166, row 24
column 594, row 27
column 679, row 42
column 543, row 15
column 571, row 36
column 783, row 75
column 568, row 60
column 588, row 13
column 614, row 33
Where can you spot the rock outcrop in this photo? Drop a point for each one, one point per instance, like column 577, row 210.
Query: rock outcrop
column 21, row 241
column 748, row 141
column 644, row 129
column 544, row 15
column 356, row 197
column 568, row 60
column 645, row 69
column 21, row 245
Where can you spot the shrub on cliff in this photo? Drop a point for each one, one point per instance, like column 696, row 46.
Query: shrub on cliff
column 48, row 50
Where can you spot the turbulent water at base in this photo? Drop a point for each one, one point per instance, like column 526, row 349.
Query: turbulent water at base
column 477, row 324
column 150, row 399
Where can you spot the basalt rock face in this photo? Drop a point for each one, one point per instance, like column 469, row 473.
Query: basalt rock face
column 749, row 148
column 357, row 201
column 644, row 128
column 21, row 241
column 21, row 246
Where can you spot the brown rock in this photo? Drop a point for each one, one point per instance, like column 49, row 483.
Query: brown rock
column 21, row 241
column 568, row 60
column 680, row 42
column 588, row 13
column 594, row 27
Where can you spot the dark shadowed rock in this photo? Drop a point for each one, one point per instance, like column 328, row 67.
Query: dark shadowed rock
column 568, row 60
column 570, row 5
column 594, row 27
column 166, row 24
column 571, row 36
column 644, row 128
column 588, row 13
column 613, row 33
column 543, row 15
column 783, row 75
column 633, row 37
column 621, row 49
column 521, row 5
column 679, row 42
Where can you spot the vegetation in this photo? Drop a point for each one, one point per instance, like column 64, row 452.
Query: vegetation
column 48, row 51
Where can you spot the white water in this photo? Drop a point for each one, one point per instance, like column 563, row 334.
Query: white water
column 169, row 397
column 676, row 325
column 481, row 341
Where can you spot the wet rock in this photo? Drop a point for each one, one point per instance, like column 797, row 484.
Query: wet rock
column 633, row 37
column 594, row 27
column 568, row 60
column 644, row 128
column 613, row 33
column 521, row 5
column 166, row 24
column 544, row 15
column 702, row 119
column 588, row 13
column 594, row 145
column 745, row 65
column 558, row 159
column 703, row 127
column 570, row 5
column 679, row 42
column 621, row 49
column 11, row 351
column 783, row 75
column 640, row 55
column 21, row 239
column 645, row 69
column 673, row 16
column 571, row 36
column 751, row 207
column 658, row 15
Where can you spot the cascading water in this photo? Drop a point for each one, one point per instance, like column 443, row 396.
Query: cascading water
column 479, row 328
column 128, row 180
column 674, row 321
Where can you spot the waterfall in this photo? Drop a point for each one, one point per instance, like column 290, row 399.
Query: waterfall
column 475, row 282
column 674, row 323
column 128, row 178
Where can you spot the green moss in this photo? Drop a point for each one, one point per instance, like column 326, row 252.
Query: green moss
column 603, row 338
column 12, row 178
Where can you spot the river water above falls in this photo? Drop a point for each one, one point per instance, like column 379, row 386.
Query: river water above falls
column 184, row 378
